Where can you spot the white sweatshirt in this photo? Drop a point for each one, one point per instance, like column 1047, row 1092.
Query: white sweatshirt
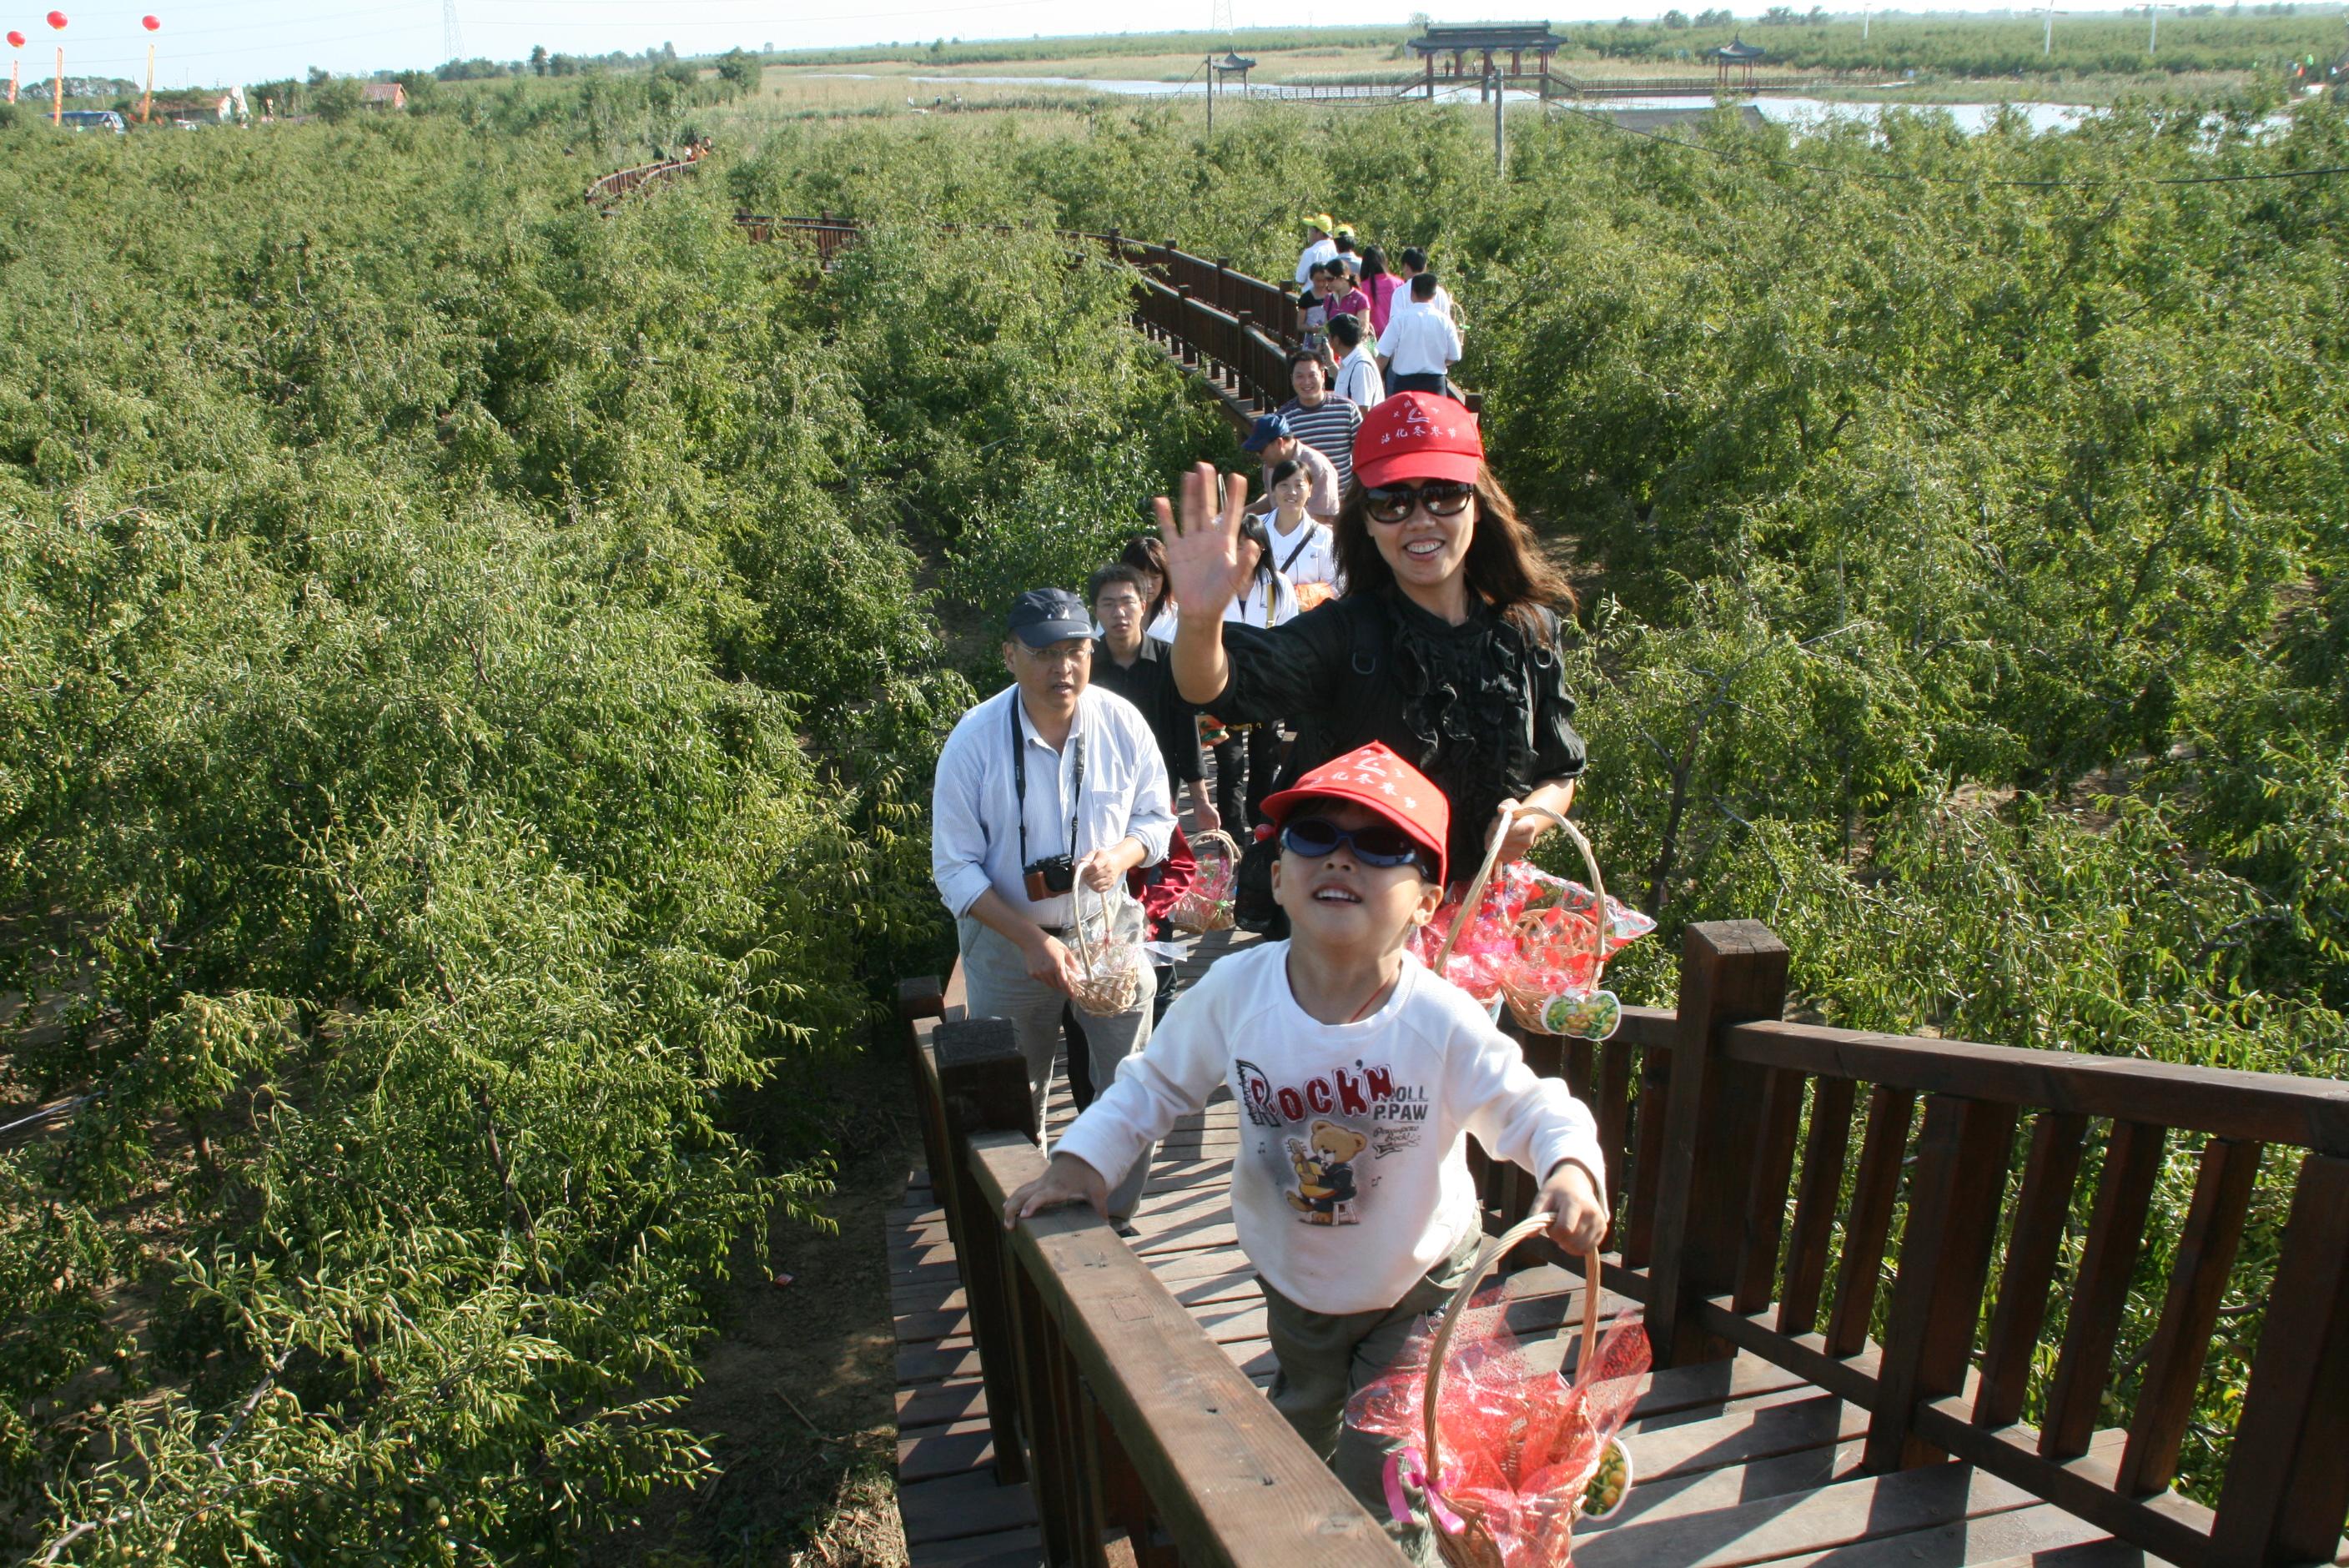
column 1351, row 1179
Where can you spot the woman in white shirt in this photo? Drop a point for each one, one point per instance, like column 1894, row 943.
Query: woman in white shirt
column 1302, row 549
column 1250, row 754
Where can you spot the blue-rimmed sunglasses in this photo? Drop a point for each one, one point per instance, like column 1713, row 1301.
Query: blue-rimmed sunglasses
column 1380, row 844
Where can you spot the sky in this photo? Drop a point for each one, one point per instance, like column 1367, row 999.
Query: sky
column 218, row 41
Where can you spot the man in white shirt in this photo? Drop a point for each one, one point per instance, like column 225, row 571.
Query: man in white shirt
column 1419, row 346
column 1319, row 246
column 1045, row 786
column 1409, row 265
column 1358, row 379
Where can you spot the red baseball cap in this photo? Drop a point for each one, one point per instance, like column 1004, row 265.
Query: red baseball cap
column 1375, row 777
column 1418, row 435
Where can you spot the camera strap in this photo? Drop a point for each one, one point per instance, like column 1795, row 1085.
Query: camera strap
column 1020, row 779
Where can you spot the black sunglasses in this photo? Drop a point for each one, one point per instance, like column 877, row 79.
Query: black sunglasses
column 1393, row 503
column 1380, row 844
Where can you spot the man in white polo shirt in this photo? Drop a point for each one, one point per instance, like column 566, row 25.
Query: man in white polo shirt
column 1045, row 786
column 1419, row 346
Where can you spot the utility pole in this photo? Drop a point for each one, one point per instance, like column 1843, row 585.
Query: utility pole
column 2048, row 47
column 1500, row 131
column 1211, row 95
column 451, row 38
column 2153, row 32
column 1865, row 13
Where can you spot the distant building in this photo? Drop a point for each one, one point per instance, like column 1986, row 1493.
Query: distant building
column 384, row 95
column 1487, row 39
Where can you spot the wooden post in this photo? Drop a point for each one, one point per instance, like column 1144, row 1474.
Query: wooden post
column 1732, row 972
column 983, row 1081
column 1223, row 285
column 1429, row 60
column 917, row 999
column 2287, row 1485
column 1183, row 346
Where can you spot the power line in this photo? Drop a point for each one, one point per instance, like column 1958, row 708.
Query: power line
column 1728, row 155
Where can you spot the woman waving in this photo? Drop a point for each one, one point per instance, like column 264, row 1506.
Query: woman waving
column 1444, row 646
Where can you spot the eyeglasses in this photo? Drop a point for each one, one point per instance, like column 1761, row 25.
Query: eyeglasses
column 1395, row 503
column 1380, row 844
column 1064, row 653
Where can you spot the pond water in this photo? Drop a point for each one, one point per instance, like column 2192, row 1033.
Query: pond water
column 1969, row 117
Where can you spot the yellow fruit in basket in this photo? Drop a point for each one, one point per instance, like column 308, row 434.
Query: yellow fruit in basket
column 1609, row 1483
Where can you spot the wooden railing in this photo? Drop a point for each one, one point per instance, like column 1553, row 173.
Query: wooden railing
column 612, row 187
column 1141, row 1441
column 1728, row 1136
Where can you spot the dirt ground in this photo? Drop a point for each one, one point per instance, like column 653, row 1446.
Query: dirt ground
column 797, row 1395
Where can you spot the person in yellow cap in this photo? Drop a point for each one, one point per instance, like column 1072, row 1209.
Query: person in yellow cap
column 1319, row 246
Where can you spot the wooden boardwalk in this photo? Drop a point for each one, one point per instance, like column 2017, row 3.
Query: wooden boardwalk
column 1738, row 1462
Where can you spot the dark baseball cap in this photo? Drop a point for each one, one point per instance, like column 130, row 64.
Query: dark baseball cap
column 1269, row 429
column 1042, row 616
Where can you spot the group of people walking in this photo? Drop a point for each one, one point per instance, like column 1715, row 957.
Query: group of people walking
column 1380, row 596
column 1378, row 328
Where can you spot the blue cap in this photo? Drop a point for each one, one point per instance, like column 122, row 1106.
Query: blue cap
column 1042, row 616
column 1269, row 429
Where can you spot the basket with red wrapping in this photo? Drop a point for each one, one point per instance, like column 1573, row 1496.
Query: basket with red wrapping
column 1536, row 941
column 1501, row 1455
column 1206, row 904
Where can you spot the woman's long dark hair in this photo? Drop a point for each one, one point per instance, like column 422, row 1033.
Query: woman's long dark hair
column 1146, row 552
column 1505, row 566
column 1252, row 528
column 1374, row 263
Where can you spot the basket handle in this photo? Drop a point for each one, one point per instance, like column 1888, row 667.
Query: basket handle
column 1494, row 1250
column 1492, row 858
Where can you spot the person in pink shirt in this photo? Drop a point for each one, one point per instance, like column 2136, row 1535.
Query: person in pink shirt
column 1345, row 296
column 1381, row 285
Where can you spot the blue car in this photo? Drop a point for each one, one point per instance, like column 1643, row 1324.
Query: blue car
column 94, row 120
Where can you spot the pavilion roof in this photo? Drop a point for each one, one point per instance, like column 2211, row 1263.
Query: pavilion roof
column 1442, row 37
column 1739, row 49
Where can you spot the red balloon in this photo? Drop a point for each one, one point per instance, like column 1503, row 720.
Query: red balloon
column 57, row 20
column 16, row 39
column 150, row 23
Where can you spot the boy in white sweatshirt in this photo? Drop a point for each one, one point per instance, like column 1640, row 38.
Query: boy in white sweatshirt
column 1357, row 1074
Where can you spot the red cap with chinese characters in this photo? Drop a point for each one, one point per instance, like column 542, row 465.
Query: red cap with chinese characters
column 1417, row 436
column 1376, row 777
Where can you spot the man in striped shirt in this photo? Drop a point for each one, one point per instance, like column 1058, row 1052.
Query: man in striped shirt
column 1318, row 417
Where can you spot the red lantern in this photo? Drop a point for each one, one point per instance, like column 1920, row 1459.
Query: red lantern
column 151, row 24
column 16, row 39
column 57, row 20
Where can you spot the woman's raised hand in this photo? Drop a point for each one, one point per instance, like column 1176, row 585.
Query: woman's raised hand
column 1203, row 548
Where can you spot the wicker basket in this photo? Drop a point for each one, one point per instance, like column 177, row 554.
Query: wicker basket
column 1473, row 1546
column 1197, row 910
column 1531, row 1009
column 1112, row 979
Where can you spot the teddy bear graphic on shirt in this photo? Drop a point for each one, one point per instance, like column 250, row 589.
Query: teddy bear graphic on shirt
column 1324, row 1162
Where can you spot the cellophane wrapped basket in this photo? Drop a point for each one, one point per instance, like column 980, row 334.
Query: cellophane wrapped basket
column 1113, row 965
column 1501, row 1456
column 1206, row 904
column 1535, row 940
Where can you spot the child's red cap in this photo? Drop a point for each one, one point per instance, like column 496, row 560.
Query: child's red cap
column 1375, row 777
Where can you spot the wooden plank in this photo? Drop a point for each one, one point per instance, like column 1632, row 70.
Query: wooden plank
column 1613, row 1107
column 2042, row 1210
column 2260, row 1107
column 1650, row 1117
column 2041, row 1526
column 2167, row 1524
column 2075, row 1397
column 2287, row 1487
column 1825, row 1149
column 946, row 1451
column 954, row 1507
column 1801, row 1421
column 1835, row 1516
column 1004, row 1549
column 1731, row 971
column 1953, row 1210
column 2190, row 1315
column 1701, row 1491
column 1870, row 1221
column 1766, row 1211
column 2105, row 1553
column 940, row 1404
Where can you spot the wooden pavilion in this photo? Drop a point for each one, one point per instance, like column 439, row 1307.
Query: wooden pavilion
column 1739, row 56
column 1488, row 39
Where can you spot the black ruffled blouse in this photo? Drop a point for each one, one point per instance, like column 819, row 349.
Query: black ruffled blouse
column 1481, row 708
